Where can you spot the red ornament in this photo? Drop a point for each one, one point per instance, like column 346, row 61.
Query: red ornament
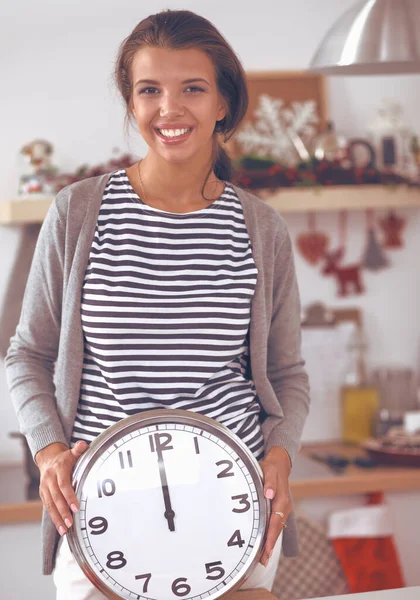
column 392, row 226
column 348, row 277
column 312, row 244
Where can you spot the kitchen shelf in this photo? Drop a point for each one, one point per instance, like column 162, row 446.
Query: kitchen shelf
column 342, row 197
column 285, row 200
column 22, row 211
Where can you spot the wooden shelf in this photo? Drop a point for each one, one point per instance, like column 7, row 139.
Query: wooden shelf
column 22, row 211
column 285, row 200
column 344, row 197
column 21, row 513
column 353, row 480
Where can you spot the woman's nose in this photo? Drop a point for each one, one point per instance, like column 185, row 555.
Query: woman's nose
column 170, row 106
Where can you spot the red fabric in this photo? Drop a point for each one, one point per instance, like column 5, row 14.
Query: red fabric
column 369, row 564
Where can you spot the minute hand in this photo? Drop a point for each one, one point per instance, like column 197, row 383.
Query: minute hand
column 169, row 513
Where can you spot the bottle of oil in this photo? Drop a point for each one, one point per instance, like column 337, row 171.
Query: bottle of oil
column 359, row 402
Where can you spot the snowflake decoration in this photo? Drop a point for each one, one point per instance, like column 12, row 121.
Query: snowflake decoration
column 279, row 131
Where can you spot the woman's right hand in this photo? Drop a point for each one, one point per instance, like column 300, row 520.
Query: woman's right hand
column 56, row 463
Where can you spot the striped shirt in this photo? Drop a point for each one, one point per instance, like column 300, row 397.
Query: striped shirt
column 165, row 312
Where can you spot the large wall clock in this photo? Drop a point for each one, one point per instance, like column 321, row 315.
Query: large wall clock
column 171, row 506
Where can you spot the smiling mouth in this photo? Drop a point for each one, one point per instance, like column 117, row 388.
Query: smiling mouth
column 174, row 134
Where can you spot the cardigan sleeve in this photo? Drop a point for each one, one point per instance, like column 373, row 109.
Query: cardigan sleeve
column 33, row 349
column 285, row 366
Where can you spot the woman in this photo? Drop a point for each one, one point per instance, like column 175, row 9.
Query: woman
column 141, row 288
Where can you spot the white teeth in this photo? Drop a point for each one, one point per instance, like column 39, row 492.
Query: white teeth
column 173, row 132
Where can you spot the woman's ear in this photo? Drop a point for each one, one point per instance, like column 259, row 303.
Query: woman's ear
column 223, row 109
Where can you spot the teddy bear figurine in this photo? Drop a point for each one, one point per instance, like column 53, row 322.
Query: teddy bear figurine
column 38, row 175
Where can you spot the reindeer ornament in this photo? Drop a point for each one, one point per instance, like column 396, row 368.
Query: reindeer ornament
column 348, row 277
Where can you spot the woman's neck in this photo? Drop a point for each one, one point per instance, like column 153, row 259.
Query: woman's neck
column 178, row 183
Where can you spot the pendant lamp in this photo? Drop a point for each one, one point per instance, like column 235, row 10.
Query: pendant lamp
column 374, row 37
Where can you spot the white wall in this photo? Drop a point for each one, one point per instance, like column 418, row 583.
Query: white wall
column 55, row 70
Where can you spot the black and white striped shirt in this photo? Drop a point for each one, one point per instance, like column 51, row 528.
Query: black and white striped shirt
column 165, row 314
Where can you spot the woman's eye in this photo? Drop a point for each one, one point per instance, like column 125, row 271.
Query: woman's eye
column 195, row 88
column 146, row 90
column 150, row 91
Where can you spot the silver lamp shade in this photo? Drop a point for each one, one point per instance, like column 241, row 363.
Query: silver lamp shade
column 375, row 37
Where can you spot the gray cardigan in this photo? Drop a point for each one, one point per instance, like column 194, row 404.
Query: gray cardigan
column 44, row 360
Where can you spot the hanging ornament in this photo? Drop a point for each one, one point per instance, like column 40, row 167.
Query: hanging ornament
column 392, row 226
column 374, row 257
column 348, row 277
column 312, row 244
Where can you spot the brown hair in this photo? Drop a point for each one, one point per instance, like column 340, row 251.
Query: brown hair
column 180, row 29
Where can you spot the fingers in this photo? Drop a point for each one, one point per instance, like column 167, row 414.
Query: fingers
column 274, row 530
column 78, row 449
column 270, row 481
column 56, row 491
column 67, row 491
column 54, row 500
column 276, row 488
column 58, row 509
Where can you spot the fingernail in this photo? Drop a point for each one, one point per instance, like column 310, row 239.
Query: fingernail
column 68, row 522
column 61, row 530
column 271, row 552
column 269, row 494
column 265, row 562
column 74, row 508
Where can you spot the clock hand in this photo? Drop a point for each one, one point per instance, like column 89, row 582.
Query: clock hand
column 169, row 513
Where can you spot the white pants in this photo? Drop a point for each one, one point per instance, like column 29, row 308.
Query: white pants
column 72, row 584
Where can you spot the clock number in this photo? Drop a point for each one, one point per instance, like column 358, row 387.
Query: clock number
column 226, row 472
column 236, row 539
column 160, row 442
column 107, row 487
column 129, row 459
column 179, row 588
column 214, row 568
column 116, row 557
column 147, row 577
column 243, row 499
column 196, row 446
column 99, row 524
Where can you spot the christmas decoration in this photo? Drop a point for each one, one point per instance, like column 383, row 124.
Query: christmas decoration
column 280, row 132
column 254, row 172
column 37, row 169
column 121, row 161
column 348, row 277
column 329, row 144
column 391, row 138
column 363, row 540
column 392, row 226
column 374, row 257
column 312, row 244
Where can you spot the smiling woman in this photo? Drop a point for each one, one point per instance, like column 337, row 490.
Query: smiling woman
column 139, row 298
column 175, row 76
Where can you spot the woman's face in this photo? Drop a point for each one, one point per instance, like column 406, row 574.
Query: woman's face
column 176, row 102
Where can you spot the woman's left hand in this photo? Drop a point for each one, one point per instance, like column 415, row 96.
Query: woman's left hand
column 276, row 469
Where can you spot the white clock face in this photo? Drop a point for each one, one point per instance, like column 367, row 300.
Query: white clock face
column 169, row 511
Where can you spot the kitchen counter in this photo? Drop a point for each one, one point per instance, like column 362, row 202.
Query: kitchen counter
column 410, row 593
column 309, row 479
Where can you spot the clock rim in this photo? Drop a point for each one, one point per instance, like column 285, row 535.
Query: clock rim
column 155, row 417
